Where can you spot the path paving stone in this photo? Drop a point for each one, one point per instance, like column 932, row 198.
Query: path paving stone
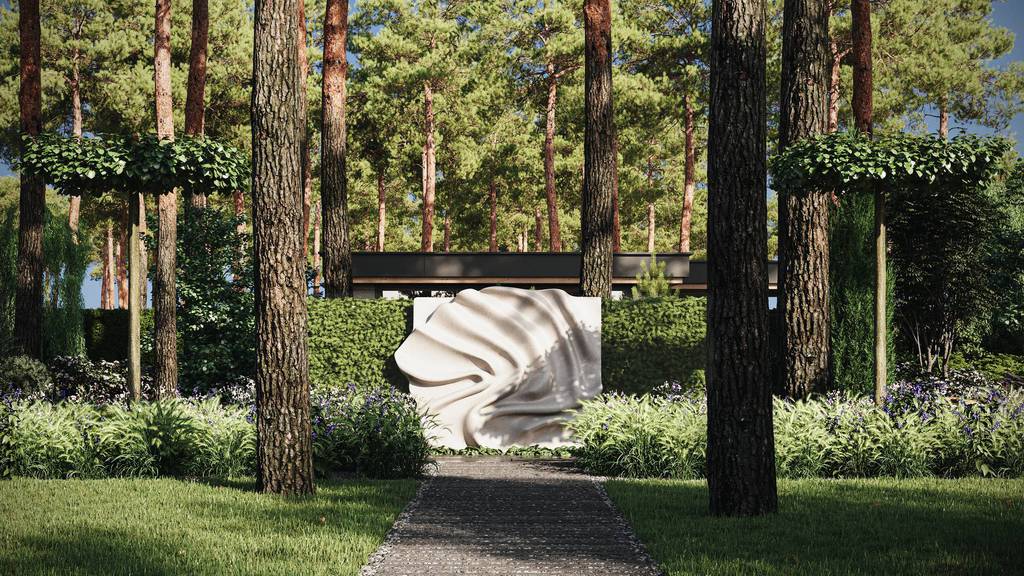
column 498, row 516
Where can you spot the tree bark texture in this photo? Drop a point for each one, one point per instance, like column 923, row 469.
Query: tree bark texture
column 318, row 276
column 538, row 231
column 284, row 451
column 596, row 218
column 28, row 306
column 741, row 449
column 195, row 97
column 75, row 202
column 429, row 169
column 382, row 207
column 136, row 296
column 107, row 284
column 835, row 86
column 863, row 82
column 492, row 200
column 337, row 253
column 650, row 227
column 689, row 175
column 447, row 232
column 804, row 214
column 165, row 343
column 122, row 265
column 550, row 192
column 943, row 118
column 616, row 223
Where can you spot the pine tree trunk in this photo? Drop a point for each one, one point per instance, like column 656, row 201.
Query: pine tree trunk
column 318, row 278
column 689, row 176
column 307, row 161
column 122, row 265
column 28, row 306
column 835, row 91
column 616, row 225
column 429, row 167
column 943, row 119
column 195, row 98
column 596, row 218
column 538, row 231
column 337, row 255
column 447, row 232
column 741, row 449
column 554, row 231
column 107, row 283
column 164, row 290
column 650, row 228
column 382, row 206
column 804, row 215
column 75, row 202
column 492, row 198
column 863, row 110
column 284, row 451
column 238, row 200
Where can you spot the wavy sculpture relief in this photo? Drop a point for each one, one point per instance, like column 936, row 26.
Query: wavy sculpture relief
column 503, row 367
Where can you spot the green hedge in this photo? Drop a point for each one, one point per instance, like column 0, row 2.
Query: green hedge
column 355, row 341
column 646, row 342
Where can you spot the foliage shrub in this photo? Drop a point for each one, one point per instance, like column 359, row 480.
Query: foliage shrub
column 43, row 440
column 106, row 334
column 354, row 340
column 376, row 432
column 647, row 342
column 24, row 374
column 928, row 426
column 78, row 379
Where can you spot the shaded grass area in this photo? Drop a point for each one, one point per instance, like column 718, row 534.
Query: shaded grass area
column 158, row 527
column 879, row 526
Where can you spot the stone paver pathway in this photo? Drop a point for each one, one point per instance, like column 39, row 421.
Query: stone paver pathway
column 497, row 516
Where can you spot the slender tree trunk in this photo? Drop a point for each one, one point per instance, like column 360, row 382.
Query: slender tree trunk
column 741, row 448
column 492, row 198
column 164, row 292
column 318, row 278
column 689, row 176
column 616, row 225
column 122, row 265
column 944, row 118
column 429, row 167
column 107, row 284
column 382, row 206
column 143, row 272
column 804, row 214
column 238, row 200
column 75, row 202
column 650, row 228
column 307, row 161
column 554, row 230
column 136, row 296
column 538, row 231
column 596, row 218
column 447, row 232
column 284, row 451
column 835, row 91
column 28, row 306
column 337, row 256
column 195, row 98
column 863, row 86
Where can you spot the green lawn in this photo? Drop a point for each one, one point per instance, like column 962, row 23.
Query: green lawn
column 923, row 526
column 172, row 527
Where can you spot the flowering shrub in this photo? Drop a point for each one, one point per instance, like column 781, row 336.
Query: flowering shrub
column 78, row 379
column 953, row 427
column 377, row 433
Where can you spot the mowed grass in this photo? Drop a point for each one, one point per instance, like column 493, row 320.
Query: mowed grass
column 174, row 527
column 885, row 526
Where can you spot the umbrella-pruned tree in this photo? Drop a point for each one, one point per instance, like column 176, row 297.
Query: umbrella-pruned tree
column 146, row 165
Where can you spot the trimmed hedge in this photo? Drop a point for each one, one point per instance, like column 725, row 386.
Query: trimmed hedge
column 354, row 341
column 645, row 343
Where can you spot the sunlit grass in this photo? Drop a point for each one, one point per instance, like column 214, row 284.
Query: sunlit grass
column 175, row 527
column 885, row 526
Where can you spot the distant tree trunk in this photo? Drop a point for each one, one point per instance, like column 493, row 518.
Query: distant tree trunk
column 307, row 161
column 107, row 282
column 863, row 110
column 238, row 201
column 689, row 176
column 195, row 98
column 447, row 232
column 318, row 277
column 616, row 225
column 804, row 214
column 28, row 306
column 741, row 448
column 835, row 91
column 75, row 202
column 429, row 168
column 122, row 265
column 650, row 227
column 538, row 231
column 136, row 295
column 337, row 257
column 596, row 218
column 554, row 231
column 165, row 289
column 520, row 241
column 492, row 198
column 382, row 207
column 284, row 451
column 944, row 118
column 143, row 271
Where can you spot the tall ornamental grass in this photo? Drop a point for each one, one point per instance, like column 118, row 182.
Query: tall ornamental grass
column 923, row 429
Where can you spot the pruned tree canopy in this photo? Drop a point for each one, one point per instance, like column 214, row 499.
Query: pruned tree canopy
column 113, row 163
